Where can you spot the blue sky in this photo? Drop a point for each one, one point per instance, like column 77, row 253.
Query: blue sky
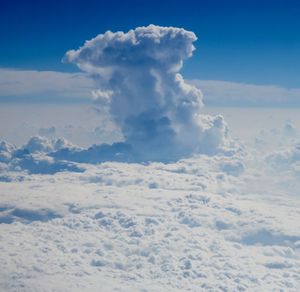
column 254, row 42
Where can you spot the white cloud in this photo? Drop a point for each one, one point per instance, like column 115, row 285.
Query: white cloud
column 43, row 85
column 39, row 86
column 286, row 159
column 35, row 156
column 205, row 221
column 176, row 227
column 223, row 93
column 157, row 111
column 44, row 145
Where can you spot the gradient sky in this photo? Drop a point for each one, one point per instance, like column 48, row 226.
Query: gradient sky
column 242, row 41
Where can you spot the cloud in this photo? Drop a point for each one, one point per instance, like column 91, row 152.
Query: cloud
column 42, row 164
column 43, row 86
column 286, row 159
column 35, row 156
column 140, row 87
column 268, row 140
column 181, row 226
column 223, row 93
column 52, row 86
column 6, row 151
column 44, row 145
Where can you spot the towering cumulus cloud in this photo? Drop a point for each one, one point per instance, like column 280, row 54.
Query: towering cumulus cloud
column 141, row 89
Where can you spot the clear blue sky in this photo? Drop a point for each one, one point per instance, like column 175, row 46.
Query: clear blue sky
column 242, row 41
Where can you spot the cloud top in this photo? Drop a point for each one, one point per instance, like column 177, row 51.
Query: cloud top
column 151, row 46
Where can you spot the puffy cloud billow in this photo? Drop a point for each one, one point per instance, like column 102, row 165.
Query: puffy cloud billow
column 36, row 156
column 140, row 87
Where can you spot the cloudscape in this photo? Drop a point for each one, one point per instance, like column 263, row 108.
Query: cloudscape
column 129, row 164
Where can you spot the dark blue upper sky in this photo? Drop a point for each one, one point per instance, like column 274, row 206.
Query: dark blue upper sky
column 243, row 41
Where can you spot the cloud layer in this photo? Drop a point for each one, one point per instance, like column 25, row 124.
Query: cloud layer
column 149, row 227
column 51, row 86
column 224, row 93
column 43, row 86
